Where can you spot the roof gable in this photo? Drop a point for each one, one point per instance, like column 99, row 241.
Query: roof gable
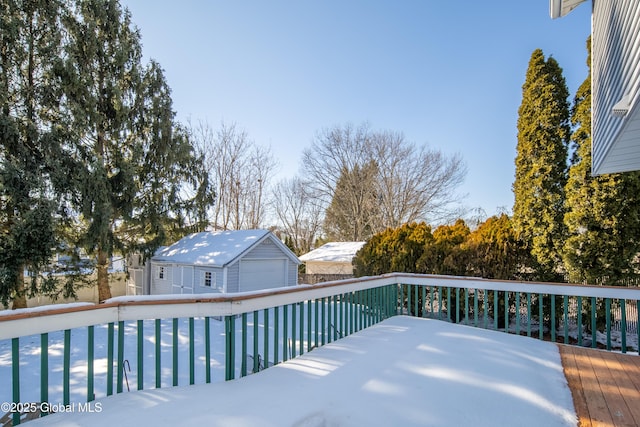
column 334, row 252
column 218, row 248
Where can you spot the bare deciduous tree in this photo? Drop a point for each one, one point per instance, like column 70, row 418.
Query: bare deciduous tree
column 412, row 183
column 299, row 214
column 241, row 172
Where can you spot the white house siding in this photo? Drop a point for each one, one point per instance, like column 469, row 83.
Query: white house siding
column 217, row 278
column 161, row 286
column 256, row 274
column 292, row 273
column 265, row 250
column 233, row 277
column 615, row 74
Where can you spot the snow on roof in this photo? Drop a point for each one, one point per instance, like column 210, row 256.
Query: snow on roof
column 334, row 252
column 213, row 248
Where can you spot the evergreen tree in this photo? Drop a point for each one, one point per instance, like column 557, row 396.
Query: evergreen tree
column 136, row 159
column 492, row 250
column 444, row 255
column 33, row 166
column 395, row 249
column 541, row 165
column 603, row 212
column 354, row 209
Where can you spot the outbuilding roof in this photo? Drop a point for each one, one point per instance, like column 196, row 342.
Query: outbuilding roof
column 334, row 252
column 215, row 248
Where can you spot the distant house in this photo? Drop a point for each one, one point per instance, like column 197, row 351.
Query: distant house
column 222, row 262
column 331, row 261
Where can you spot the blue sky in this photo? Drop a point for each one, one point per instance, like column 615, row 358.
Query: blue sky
column 446, row 73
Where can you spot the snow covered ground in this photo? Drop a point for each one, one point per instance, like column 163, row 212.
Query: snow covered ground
column 402, row 371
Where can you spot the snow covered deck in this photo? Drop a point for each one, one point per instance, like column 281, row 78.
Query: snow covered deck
column 403, row 371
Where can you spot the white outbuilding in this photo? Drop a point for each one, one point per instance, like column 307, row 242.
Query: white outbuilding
column 223, row 262
column 330, row 261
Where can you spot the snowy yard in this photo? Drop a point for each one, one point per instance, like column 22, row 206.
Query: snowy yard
column 402, row 371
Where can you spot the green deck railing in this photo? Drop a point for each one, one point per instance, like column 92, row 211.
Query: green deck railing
column 201, row 339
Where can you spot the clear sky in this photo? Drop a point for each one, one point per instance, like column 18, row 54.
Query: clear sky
column 446, row 73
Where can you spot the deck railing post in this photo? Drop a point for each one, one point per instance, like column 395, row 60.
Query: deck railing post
column 15, row 376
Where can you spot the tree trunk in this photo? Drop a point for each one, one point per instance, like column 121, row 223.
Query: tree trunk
column 20, row 299
column 104, row 291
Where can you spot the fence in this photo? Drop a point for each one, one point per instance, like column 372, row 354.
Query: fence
column 177, row 340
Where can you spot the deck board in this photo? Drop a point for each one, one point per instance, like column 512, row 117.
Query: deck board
column 605, row 386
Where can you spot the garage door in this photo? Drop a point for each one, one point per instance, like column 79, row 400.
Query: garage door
column 262, row 274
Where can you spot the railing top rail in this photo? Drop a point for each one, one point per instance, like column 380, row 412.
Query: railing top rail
column 28, row 322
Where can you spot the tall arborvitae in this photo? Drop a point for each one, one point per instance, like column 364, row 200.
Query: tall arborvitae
column 603, row 212
column 541, row 165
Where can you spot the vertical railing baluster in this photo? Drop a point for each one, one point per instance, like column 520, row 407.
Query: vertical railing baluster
column 207, row 349
column 66, row 399
column 623, row 324
column 120, row 365
column 607, row 302
column 44, row 369
column 341, row 317
column 323, row 322
column 230, row 347
column 243, row 361
column 485, row 306
column 638, row 324
column 316, row 322
column 301, row 343
column 110, row 351
column 517, row 313
column 408, row 300
column 15, row 377
column 475, row 307
column 416, row 304
column 457, row 305
column 466, row 305
column 285, row 335
column 140, row 354
column 449, row 304
column 506, row 311
column 541, row 316
column 566, row 318
column 496, row 310
column 158, row 351
column 440, row 302
column 90, row 376
column 174, row 350
column 553, row 318
column 529, row 316
column 423, row 306
column 276, row 335
column 335, row 317
column 265, row 314
column 593, row 323
column 256, row 361
column 294, row 319
column 431, row 298
column 579, row 320
column 192, row 352
column 309, row 324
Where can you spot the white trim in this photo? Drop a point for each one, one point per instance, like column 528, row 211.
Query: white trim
column 200, row 305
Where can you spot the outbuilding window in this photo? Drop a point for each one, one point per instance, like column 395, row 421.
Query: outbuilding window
column 208, row 279
column 161, row 273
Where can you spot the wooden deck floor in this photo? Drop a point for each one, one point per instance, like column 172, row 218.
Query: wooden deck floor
column 605, row 386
